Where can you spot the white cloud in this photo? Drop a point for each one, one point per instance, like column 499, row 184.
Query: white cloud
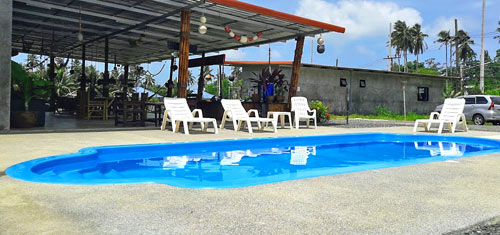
column 234, row 54
column 361, row 18
column 275, row 54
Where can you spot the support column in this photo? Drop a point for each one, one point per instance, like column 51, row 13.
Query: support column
column 52, row 78
column 201, row 80
column 183, row 54
column 125, row 79
column 294, row 79
column 5, row 54
column 105, row 85
column 83, row 78
column 170, row 82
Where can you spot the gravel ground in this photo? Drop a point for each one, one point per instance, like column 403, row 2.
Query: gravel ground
column 488, row 227
column 369, row 123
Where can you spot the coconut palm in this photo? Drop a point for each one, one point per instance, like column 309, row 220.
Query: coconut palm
column 419, row 45
column 444, row 38
column 401, row 39
column 498, row 30
column 464, row 41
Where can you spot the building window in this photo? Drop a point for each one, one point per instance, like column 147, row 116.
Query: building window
column 423, row 94
column 362, row 83
column 343, row 82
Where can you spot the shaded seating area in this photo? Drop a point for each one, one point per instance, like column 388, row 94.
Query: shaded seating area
column 133, row 33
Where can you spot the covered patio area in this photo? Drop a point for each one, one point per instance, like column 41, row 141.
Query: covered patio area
column 133, row 32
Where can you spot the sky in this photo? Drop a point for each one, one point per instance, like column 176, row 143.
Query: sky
column 363, row 45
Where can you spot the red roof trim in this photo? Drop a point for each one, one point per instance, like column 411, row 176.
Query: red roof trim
column 278, row 14
column 258, row 62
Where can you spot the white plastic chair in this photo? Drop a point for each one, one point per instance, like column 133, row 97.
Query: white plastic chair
column 302, row 111
column 451, row 114
column 177, row 110
column 234, row 111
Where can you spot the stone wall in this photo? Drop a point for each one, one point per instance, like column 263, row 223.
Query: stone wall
column 5, row 54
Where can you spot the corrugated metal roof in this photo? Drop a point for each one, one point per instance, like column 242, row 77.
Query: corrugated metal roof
column 51, row 27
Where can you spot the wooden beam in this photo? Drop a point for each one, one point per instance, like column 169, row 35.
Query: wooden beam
column 294, row 80
column 183, row 54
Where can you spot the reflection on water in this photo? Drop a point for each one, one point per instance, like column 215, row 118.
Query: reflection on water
column 445, row 149
column 272, row 161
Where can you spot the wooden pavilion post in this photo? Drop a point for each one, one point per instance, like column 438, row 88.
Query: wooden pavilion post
column 201, row 80
column 294, row 80
column 183, row 54
column 83, row 78
column 105, row 84
column 170, row 82
column 52, row 78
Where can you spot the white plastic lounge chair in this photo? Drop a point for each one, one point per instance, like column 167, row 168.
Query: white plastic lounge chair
column 177, row 110
column 234, row 111
column 302, row 111
column 451, row 114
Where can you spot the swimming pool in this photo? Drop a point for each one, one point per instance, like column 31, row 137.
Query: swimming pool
column 246, row 162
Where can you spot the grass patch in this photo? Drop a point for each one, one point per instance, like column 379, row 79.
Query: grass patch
column 386, row 114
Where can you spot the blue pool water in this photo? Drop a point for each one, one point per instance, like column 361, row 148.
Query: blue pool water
column 238, row 163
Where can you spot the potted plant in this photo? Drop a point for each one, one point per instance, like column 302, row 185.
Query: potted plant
column 265, row 82
column 281, row 86
column 27, row 87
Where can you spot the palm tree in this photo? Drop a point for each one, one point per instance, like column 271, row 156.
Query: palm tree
column 498, row 30
column 464, row 41
column 401, row 39
column 419, row 45
column 444, row 38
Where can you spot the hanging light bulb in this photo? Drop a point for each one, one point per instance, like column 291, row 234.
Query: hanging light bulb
column 321, row 49
column 80, row 34
column 321, row 41
column 202, row 29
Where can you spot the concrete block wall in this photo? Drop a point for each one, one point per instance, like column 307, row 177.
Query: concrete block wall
column 382, row 88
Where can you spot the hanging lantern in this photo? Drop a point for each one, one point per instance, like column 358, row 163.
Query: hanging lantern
column 244, row 39
column 80, row 36
column 202, row 29
column 231, row 34
column 321, row 41
column 321, row 49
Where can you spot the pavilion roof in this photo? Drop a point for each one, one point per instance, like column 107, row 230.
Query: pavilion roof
column 141, row 31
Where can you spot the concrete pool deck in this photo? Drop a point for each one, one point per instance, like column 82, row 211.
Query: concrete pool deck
column 430, row 198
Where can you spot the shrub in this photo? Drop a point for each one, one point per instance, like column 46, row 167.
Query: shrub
column 321, row 110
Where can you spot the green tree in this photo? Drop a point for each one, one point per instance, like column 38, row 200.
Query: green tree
column 498, row 30
column 444, row 38
column 465, row 52
column 401, row 39
column 419, row 45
